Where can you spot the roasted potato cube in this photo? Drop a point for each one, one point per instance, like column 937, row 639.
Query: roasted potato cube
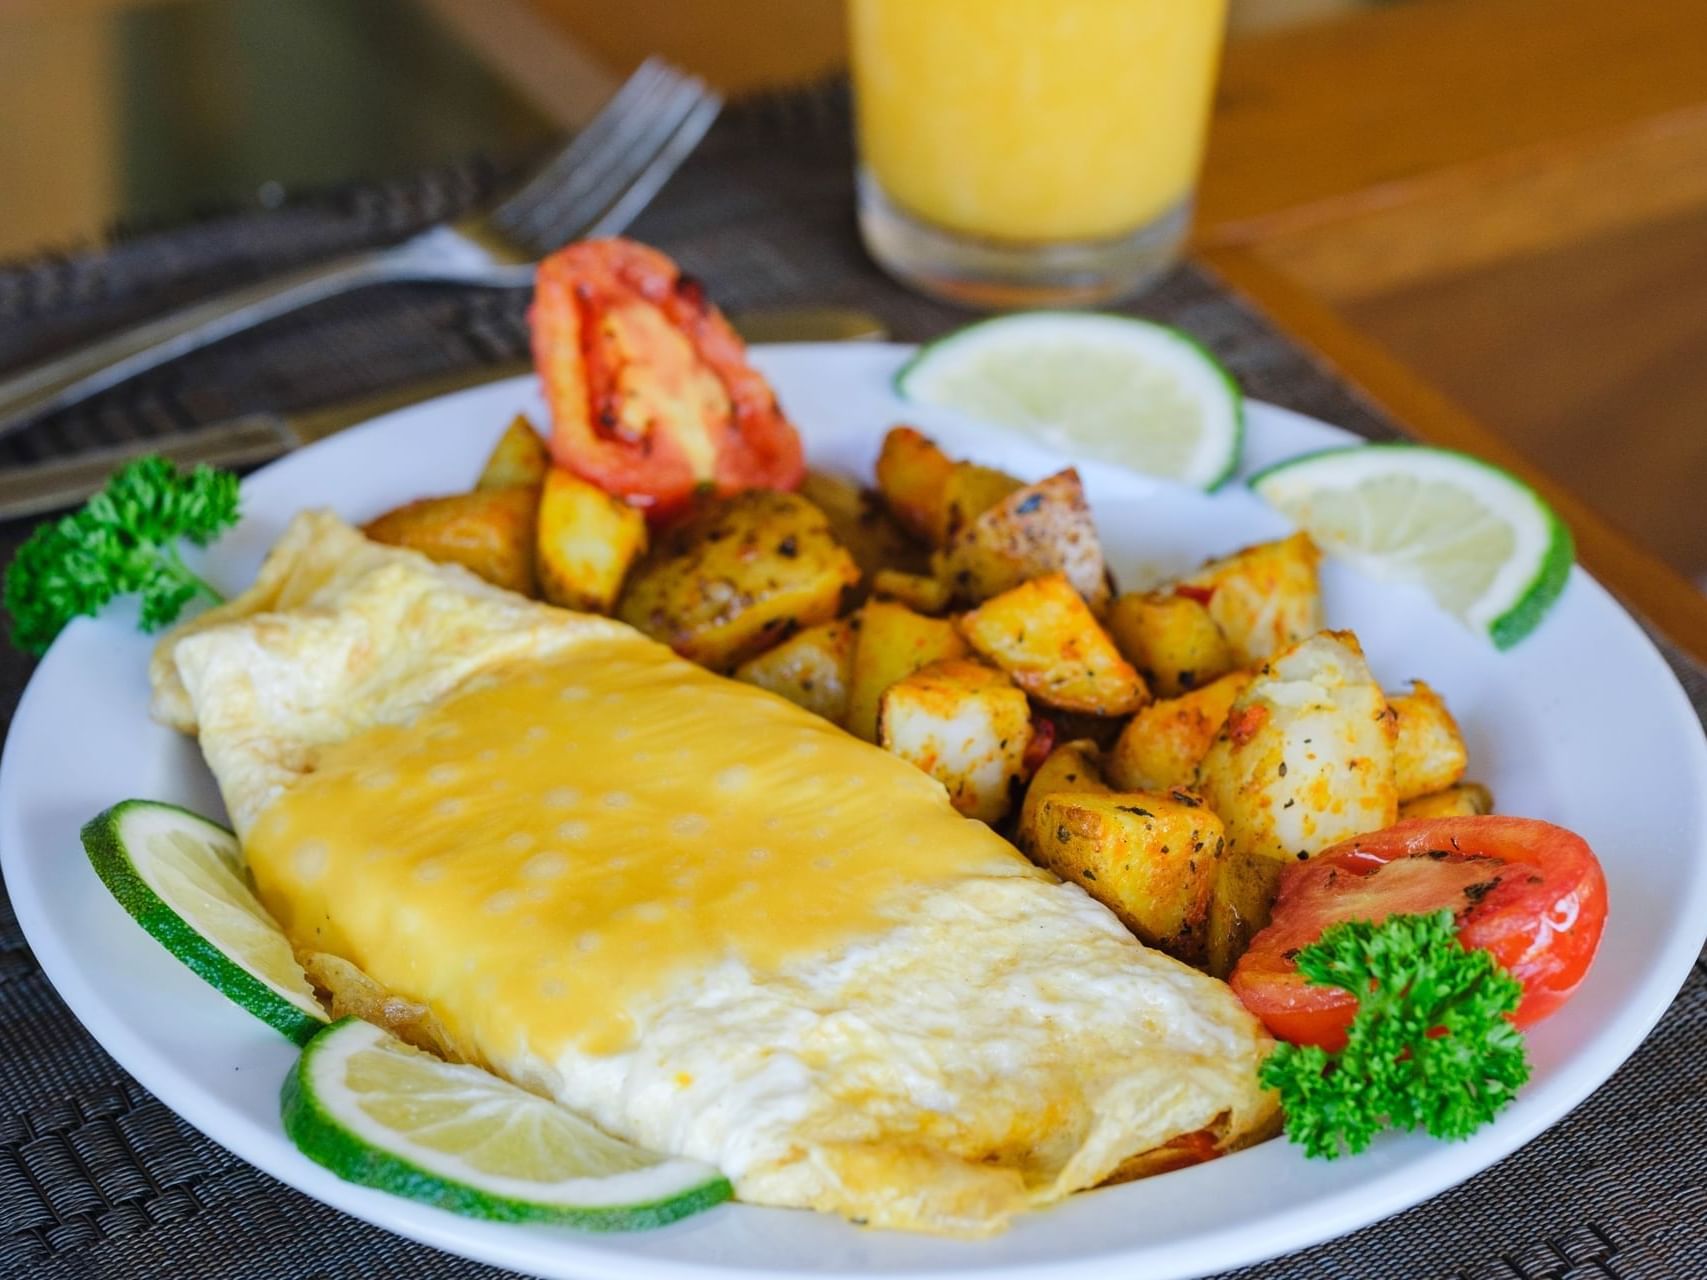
column 519, row 458
column 1239, row 905
column 810, row 669
column 587, row 543
column 737, row 577
column 490, row 531
column 861, row 523
column 1305, row 760
column 1466, row 800
column 1162, row 745
column 1172, row 640
column 1073, row 767
column 965, row 724
column 1034, row 530
column 912, row 476
column 1264, row 597
column 1428, row 751
column 917, row 591
column 1306, row 756
column 972, row 490
column 1042, row 633
column 1147, row 857
column 893, row 643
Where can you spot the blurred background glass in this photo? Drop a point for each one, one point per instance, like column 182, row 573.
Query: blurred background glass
column 1030, row 152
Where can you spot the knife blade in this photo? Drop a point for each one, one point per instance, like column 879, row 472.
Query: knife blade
column 254, row 438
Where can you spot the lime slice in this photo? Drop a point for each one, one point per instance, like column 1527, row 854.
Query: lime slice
column 181, row 877
column 375, row 1111
column 1483, row 542
column 1099, row 386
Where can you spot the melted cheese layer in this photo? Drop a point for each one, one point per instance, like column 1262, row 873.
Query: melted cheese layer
column 540, row 853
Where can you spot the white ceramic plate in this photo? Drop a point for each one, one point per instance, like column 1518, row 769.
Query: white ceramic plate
column 1581, row 724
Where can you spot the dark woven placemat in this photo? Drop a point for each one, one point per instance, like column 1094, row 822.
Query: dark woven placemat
column 99, row 1179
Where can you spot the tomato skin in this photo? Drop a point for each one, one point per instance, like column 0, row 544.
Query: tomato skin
column 1529, row 892
column 590, row 373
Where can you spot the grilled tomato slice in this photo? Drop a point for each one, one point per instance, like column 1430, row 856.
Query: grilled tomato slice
column 1530, row 892
column 651, row 395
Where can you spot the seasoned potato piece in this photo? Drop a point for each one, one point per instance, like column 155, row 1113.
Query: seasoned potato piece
column 915, row 590
column 861, row 523
column 1428, row 751
column 893, row 643
column 1466, row 800
column 1304, row 760
column 1072, row 766
column 1239, row 905
column 489, row 531
column 737, row 577
column 1306, row 756
column 1161, row 746
column 587, row 543
column 1149, row 858
column 810, row 669
column 1172, row 640
column 965, row 724
column 970, row 492
column 1033, row 530
column 1043, row 634
column 912, row 476
column 1264, row 597
column 519, row 458
column 931, row 494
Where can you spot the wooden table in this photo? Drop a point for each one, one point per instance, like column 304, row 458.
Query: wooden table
column 1491, row 215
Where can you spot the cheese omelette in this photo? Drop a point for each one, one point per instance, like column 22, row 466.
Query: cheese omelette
column 710, row 921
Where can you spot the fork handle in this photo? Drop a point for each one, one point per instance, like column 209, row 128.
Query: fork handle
column 65, row 380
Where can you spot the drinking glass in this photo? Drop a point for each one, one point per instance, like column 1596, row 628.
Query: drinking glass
column 1030, row 152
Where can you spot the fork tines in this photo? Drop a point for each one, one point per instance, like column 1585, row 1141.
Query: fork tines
column 605, row 176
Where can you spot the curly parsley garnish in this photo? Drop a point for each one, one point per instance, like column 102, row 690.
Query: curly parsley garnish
column 123, row 541
column 1431, row 1046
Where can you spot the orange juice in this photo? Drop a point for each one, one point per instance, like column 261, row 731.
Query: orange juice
column 1034, row 120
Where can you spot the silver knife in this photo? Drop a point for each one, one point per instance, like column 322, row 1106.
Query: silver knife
column 259, row 437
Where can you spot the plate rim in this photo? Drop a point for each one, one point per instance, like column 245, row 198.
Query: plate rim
column 1330, row 1217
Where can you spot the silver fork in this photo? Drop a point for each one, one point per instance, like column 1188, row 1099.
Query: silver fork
column 595, row 186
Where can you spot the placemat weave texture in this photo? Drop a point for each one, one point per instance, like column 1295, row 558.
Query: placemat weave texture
column 98, row 1179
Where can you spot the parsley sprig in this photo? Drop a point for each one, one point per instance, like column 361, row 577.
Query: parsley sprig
column 123, row 541
column 1431, row 1046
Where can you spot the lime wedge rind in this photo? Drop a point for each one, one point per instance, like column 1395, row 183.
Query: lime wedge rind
column 1180, row 415
column 326, row 1121
column 1235, row 449
column 116, row 841
column 1529, row 579
column 1545, row 587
